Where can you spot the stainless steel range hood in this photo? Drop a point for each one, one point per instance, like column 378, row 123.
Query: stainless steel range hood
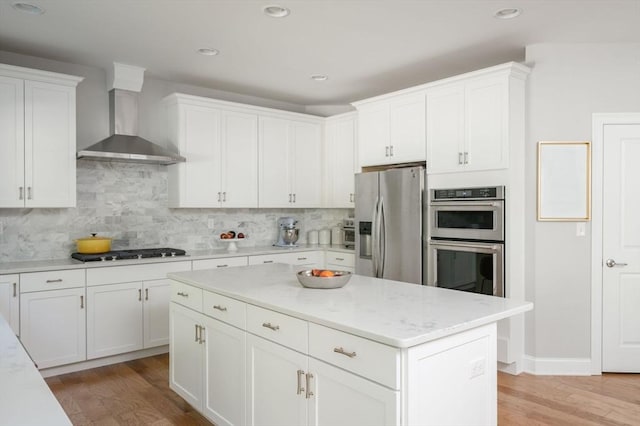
column 124, row 144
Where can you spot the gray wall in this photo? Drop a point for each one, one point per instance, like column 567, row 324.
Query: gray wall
column 567, row 85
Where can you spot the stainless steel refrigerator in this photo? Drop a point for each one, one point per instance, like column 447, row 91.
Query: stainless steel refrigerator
column 390, row 223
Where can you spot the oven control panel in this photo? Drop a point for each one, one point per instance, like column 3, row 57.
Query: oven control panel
column 493, row 193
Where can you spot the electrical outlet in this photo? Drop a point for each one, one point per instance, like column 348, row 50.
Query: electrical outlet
column 477, row 367
column 581, row 229
column 210, row 223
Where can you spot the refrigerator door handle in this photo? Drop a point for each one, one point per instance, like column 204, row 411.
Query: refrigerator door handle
column 374, row 238
column 382, row 232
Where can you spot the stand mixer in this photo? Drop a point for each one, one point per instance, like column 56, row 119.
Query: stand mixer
column 287, row 232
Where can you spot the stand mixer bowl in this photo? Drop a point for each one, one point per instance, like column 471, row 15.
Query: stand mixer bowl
column 287, row 232
column 290, row 235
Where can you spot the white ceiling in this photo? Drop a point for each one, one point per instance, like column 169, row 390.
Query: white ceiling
column 366, row 47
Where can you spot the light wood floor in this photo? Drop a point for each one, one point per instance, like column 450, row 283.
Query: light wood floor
column 137, row 393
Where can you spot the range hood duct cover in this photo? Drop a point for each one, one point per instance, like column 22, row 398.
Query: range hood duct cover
column 124, row 144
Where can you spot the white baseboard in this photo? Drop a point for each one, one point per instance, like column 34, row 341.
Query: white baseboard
column 100, row 362
column 557, row 366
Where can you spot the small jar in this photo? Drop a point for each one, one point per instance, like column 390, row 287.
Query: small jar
column 312, row 237
column 324, row 237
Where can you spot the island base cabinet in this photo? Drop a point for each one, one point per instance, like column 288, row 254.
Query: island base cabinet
column 186, row 355
column 10, row 301
column 459, row 372
column 342, row 398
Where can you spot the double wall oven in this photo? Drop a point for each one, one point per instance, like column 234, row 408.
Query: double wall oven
column 466, row 240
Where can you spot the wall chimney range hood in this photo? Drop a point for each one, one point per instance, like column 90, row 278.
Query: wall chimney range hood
column 124, row 144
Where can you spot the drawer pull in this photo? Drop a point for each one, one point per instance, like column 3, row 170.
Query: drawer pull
column 139, row 295
column 81, row 302
column 340, row 258
column 300, row 388
column 220, row 308
column 59, row 280
column 183, row 294
column 343, row 352
column 302, row 258
column 15, row 291
column 272, row 327
column 267, row 261
column 309, row 394
column 146, row 294
column 222, row 266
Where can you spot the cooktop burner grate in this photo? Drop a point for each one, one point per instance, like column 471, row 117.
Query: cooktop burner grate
column 129, row 254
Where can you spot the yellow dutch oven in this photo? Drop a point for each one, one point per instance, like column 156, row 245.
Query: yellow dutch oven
column 93, row 244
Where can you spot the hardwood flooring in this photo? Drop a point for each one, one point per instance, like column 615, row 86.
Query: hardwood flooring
column 137, row 393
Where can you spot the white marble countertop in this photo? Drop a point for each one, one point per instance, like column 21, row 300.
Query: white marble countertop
column 25, row 398
column 390, row 312
column 69, row 263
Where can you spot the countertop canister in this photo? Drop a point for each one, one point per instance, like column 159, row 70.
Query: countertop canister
column 324, row 237
column 337, row 236
column 312, row 237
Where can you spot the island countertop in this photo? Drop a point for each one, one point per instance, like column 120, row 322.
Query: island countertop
column 394, row 313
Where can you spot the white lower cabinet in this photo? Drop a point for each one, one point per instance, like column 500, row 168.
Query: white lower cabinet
column 53, row 326
column 10, row 301
column 186, row 355
column 155, row 312
column 340, row 261
column 313, row 259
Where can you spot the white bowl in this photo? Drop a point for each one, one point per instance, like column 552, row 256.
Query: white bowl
column 338, row 280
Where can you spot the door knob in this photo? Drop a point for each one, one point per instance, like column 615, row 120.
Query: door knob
column 611, row 263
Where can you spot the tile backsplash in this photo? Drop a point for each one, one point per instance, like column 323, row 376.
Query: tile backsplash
column 128, row 202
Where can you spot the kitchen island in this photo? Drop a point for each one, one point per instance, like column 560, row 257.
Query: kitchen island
column 250, row 345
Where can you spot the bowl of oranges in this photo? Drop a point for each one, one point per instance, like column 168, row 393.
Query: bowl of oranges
column 323, row 278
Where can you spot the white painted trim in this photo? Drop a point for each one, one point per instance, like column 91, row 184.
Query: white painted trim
column 557, row 366
column 598, row 122
column 39, row 75
column 100, row 362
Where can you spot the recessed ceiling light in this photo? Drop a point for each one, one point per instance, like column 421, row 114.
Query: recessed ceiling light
column 29, row 8
column 276, row 11
column 319, row 77
column 508, row 13
column 208, row 51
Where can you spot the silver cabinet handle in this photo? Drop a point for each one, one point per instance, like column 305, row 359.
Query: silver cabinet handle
column 391, row 151
column 340, row 258
column 224, row 197
column 59, row 280
column 611, row 263
column 222, row 266
column 300, row 388
column 139, row 295
column 21, row 193
column 466, row 157
column 289, row 197
column 146, row 294
column 309, row 394
column 302, row 258
column 351, row 197
column 386, row 151
column 267, row 261
column 269, row 326
column 197, row 328
column 341, row 351
column 294, row 198
column 219, row 197
column 81, row 302
column 201, row 334
column 15, row 290
column 29, row 194
column 220, row 308
column 459, row 158
column 183, row 294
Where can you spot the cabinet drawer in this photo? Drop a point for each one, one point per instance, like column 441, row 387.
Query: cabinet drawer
column 130, row 273
column 52, row 280
column 225, row 309
column 220, row 263
column 186, row 295
column 295, row 258
column 342, row 259
column 375, row 361
column 288, row 331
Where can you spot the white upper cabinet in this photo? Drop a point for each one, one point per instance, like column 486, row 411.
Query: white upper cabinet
column 38, row 130
column 471, row 118
column 340, row 160
column 391, row 130
column 220, row 144
column 290, row 163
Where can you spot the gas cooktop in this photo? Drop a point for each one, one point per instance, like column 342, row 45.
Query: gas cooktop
column 129, row 254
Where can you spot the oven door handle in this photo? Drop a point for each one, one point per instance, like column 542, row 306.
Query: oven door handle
column 492, row 247
column 466, row 203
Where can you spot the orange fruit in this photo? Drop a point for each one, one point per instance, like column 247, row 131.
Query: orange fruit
column 315, row 272
column 327, row 273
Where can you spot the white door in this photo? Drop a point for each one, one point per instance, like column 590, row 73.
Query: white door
column 407, row 129
column 445, row 128
column 306, row 165
column 621, row 249
column 10, row 301
column 274, row 163
column 186, row 355
column 50, row 145
column 240, row 153
column 12, row 146
column 273, row 384
column 225, row 379
column 114, row 319
column 340, row 163
column 373, row 134
column 52, row 326
column 157, row 294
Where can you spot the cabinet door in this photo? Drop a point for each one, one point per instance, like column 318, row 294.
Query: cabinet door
column 445, row 128
column 306, row 150
column 240, row 159
column 50, row 145
column 157, row 294
column 185, row 355
column 340, row 163
column 12, row 146
column 114, row 319
column 274, row 163
column 274, row 395
column 225, row 367
column 199, row 176
column 407, row 128
column 373, row 134
column 10, row 301
column 53, row 327
column 486, row 115
column 343, row 398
